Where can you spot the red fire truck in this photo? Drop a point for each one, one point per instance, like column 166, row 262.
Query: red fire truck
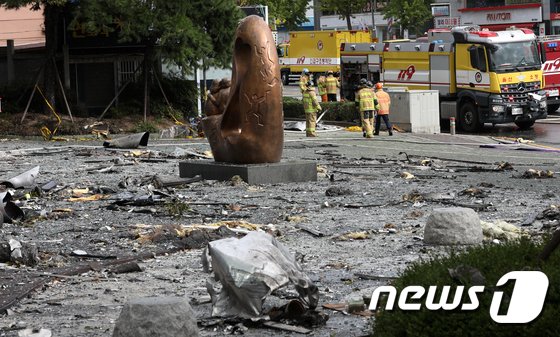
column 550, row 54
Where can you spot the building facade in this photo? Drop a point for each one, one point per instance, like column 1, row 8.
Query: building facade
column 542, row 16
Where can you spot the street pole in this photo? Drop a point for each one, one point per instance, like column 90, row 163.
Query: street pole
column 373, row 30
column 316, row 15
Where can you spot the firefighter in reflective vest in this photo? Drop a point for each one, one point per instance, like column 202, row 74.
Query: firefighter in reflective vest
column 311, row 106
column 303, row 79
column 332, row 85
column 367, row 103
column 322, row 87
column 383, row 110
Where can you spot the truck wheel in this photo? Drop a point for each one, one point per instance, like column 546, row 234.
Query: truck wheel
column 552, row 108
column 468, row 118
column 525, row 125
column 285, row 77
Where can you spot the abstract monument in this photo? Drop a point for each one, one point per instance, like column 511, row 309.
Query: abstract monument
column 244, row 121
column 246, row 126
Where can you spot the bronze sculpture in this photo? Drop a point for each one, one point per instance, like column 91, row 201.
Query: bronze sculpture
column 244, row 122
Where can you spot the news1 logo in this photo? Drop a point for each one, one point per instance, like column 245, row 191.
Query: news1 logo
column 525, row 304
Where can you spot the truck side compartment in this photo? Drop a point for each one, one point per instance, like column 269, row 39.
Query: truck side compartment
column 481, row 76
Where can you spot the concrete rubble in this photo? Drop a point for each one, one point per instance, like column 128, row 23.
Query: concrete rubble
column 156, row 316
column 110, row 225
column 453, row 226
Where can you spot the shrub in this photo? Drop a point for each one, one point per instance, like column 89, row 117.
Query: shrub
column 146, row 127
column 337, row 111
column 493, row 261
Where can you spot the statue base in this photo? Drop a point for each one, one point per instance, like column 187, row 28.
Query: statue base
column 254, row 174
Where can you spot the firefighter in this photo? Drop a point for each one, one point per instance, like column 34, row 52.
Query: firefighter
column 322, row 87
column 303, row 79
column 383, row 110
column 366, row 104
column 311, row 106
column 375, row 104
column 332, row 85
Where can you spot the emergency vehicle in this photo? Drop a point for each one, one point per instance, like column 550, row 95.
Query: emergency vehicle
column 550, row 54
column 318, row 51
column 482, row 76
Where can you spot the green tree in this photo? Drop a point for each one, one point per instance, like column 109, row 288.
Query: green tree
column 182, row 32
column 413, row 15
column 51, row 10
column 291, row 13
column 344, row 8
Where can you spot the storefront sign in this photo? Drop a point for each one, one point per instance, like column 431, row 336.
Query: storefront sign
column 498, row 17
column 510, row 15
column 447, row 22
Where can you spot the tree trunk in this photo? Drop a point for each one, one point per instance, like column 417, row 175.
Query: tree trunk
column 51, row 38
column 148, row 64
column 348, row 21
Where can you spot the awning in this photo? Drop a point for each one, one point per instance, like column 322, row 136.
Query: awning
column 529, row 25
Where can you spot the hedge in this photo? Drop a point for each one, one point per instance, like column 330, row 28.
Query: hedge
column 337, row 111
column 493, row 261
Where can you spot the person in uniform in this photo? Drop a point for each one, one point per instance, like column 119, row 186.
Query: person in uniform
column 311, row 106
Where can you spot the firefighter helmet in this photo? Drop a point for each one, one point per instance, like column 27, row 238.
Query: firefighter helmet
column 305, row 71
column 378, row 85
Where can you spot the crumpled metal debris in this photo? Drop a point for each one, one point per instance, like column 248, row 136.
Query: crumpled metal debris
column 9, row 211
column 24, row 179
column 129, row 142
column 249, row 269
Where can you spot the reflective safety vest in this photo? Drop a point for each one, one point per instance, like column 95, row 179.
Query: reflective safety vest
column 303, row 79
column 332, row 84
column 384, row 102
column 366, row 99
column 310, row 103
column 322, row 86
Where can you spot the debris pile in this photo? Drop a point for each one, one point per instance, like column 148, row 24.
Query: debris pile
column 249, row 269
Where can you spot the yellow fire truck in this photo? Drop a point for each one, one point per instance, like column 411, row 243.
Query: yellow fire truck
column 482, row 76
column 318, row 51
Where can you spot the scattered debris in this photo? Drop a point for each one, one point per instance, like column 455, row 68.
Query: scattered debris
column 9, row 212
column 474, row 192
column 353, row 236
column 12, row 250
column 24, row 179
column 407, row 175
column 160, row 182
column 309, row 230
column 337, row 190
column 35, row 333
column 249, row 269
column 550, row 216
column 500, row 230
column 414, row 214
column 129, row 142
column 286, row 327
column 532, row 173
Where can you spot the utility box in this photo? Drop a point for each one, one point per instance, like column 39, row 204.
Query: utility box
column 415, row 111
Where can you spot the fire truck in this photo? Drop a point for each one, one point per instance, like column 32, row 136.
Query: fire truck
column 318, row 51
column 550, row 54
column 482, row 76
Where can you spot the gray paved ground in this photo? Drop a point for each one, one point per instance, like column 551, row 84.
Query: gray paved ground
column 89, row 304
